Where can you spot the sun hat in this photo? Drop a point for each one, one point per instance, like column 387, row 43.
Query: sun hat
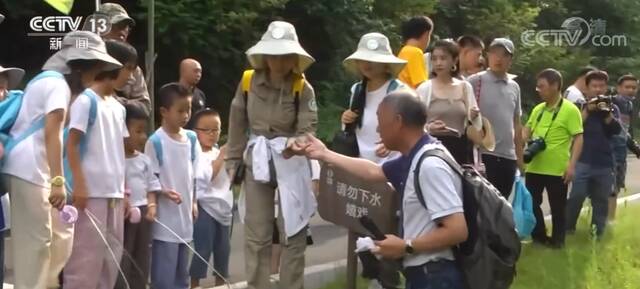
column 280, row 39
column 505, row 43
column 80, row 45
column 374, row 47
column 488, row 142
column 116, row 13
column 14, row 76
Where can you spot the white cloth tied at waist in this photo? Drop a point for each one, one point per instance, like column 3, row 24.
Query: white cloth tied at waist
column 293, row 177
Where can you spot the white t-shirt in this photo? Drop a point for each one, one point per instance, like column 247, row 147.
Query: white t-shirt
column 214, row 195
column 176, row 173
column 140, row 179
column 367, row 135
column 442, row 191
column 574, row 94
column 103, row 162
column 28, row 159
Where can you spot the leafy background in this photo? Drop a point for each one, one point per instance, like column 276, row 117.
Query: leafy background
column 217, row 32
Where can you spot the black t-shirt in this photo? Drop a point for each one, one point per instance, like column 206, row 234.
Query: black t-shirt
column 198, row 102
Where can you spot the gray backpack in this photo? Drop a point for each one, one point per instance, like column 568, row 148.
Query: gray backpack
column 488, row 257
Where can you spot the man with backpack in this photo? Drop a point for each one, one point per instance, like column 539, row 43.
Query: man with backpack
column 435, row 225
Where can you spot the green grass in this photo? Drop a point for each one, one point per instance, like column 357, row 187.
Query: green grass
column 613, row 262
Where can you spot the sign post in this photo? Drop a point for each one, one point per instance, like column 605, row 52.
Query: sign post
column 345, row 198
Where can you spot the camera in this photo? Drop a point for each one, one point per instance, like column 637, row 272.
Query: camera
column 533, row 148
column 633, row 146
column 602, row 103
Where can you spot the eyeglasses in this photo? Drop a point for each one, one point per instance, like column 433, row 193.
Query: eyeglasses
column 208, row 130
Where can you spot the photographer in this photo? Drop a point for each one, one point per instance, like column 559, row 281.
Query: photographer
column 553, row 125
column 594, row 176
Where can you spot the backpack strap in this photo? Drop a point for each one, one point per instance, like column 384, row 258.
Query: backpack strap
column 16, row 96
column 298, row 86
column 439, row 153
column 393, row 85
column 157, row 147
column 193, row 139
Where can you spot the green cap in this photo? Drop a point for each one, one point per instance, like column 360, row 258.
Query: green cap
column 116, row 13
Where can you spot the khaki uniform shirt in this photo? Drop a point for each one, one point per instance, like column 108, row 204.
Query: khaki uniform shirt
column 271, row 113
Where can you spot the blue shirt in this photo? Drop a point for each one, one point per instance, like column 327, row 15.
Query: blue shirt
column 397, row 170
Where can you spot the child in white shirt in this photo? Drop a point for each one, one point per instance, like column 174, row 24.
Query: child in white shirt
column 173, row 152
column 139, row 181
column 96, row 157
column 215, row 202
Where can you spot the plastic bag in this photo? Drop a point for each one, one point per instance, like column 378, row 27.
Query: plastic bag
column 523, row 210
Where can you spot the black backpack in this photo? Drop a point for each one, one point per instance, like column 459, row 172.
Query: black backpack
column 488, row 257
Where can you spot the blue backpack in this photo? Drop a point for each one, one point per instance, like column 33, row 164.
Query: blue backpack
column 157, row 145
column 93, row 113
column 9, row 110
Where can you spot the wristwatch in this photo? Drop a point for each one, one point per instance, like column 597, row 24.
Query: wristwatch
column 57, row 181
column 408, row 248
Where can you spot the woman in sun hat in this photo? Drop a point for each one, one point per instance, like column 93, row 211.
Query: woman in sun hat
column 33, row 168
column 452, row 112
column 376, row 65
column 276, row 106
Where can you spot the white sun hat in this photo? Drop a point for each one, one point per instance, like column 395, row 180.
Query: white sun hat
column 374, row 47
column 81, row 45
column 280, row 39
column 14, row 76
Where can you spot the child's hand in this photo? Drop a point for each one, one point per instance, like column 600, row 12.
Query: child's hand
column 173, row 195
column 80, row 195
column 195, row 210
column 151, row 213
column 57, row 197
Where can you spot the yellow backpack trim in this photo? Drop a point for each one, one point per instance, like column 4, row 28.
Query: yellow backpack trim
column 247, row 75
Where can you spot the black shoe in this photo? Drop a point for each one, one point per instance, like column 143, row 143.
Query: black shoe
column 544, row 241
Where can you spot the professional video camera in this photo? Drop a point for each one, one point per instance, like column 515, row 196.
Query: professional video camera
column 602, row 103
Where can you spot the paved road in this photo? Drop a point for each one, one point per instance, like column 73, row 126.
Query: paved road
column 331, row 241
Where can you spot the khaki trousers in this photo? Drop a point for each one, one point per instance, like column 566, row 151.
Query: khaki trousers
column 259, row 234
column 41, row 241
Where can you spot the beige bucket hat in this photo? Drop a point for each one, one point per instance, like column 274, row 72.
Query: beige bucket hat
column 488, row 142
column 280, row 39
column 14, row 76
column 81, row 45
column 374, row 47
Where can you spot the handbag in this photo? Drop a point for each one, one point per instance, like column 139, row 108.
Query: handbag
column 345, row 141
column 523, row 210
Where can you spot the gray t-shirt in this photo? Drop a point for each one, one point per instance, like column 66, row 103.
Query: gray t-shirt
column 499, row 102
column 442, row 191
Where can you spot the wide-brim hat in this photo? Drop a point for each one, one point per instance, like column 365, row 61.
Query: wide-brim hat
column 81, row 45
column 14, row 76
column 280, row 39
column 374, row 47
column 116, row 13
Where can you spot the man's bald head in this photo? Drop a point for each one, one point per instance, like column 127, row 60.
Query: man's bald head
column 190, row 72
